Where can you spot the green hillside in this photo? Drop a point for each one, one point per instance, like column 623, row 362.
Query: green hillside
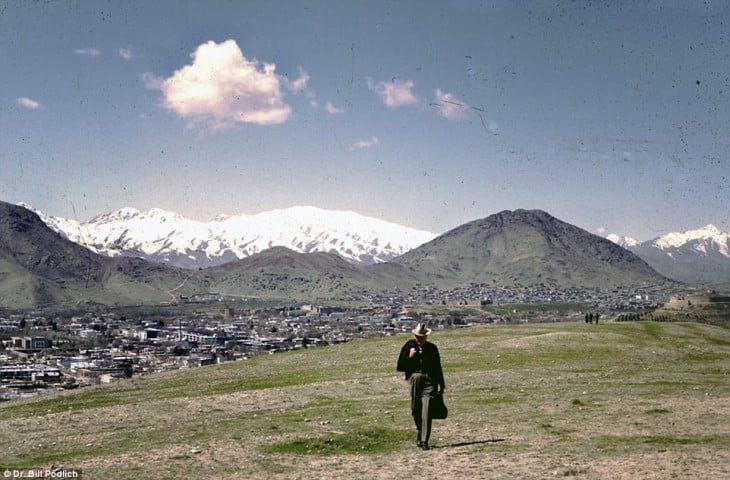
column 618, row 400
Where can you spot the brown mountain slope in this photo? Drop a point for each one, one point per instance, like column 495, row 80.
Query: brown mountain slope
column 526, row 247
column 39, row 268
column 281, row 272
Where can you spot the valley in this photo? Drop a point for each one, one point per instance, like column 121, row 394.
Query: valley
column 90, row 346
column 123, row 316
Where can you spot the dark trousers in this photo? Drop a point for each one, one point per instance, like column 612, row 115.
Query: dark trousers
column 422, row 391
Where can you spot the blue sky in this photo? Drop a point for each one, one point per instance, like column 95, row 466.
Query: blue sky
column 612, row 116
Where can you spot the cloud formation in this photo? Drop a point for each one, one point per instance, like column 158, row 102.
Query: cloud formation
column 221, row 87
column 450, row 107
column 399, row 93
column 366, row 143
column 395, row 93
column 28, row 103
column 88, row 52
column 299, row 84
column 332, row 110
column 126, row 53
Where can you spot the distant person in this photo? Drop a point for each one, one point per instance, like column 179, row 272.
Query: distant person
column 421, row 362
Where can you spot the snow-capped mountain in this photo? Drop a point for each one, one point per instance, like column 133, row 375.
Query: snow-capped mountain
column 694, row 256
column 162, row 236
column 704, row 241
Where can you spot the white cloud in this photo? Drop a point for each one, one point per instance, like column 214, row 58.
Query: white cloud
column 395, row 93
column 366, row 143
column 300, row 83
column 450, row 107
column 221, row 88
column 28, row 103
column 331, row 109
column 152, row 81
column 126, row 53
column 601, row 231
column 88, row 52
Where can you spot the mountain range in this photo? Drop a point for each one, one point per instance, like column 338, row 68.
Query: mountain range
column 699, row 256
column 41, row 267
column 166, row 237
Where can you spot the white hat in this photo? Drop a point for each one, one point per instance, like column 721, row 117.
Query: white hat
column 421, row 330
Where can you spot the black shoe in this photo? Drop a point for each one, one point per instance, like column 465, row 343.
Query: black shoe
column 424, row 446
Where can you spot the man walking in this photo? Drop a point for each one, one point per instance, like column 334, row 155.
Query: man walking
column 421, row 362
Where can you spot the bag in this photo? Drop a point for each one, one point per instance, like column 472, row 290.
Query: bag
column 438, row 408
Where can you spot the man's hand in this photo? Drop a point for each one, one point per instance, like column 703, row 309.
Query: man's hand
column 412, row 353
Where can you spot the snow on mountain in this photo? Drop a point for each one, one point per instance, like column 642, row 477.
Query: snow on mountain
column 57, row 224
column 162, row 236
column 703, row 240
column 695, row 256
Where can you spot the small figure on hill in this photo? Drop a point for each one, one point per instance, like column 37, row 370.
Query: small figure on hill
column 421, row 362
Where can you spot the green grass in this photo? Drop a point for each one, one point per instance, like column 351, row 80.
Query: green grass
column 371, row 442
column 547, row 307
column 656, row 411
column 574, row 390
column 653, row 329
column 622, row 443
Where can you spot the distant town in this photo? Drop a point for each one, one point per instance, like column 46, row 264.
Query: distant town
column 45, row 352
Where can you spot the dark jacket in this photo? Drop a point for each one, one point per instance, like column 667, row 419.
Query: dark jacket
column 427, row 361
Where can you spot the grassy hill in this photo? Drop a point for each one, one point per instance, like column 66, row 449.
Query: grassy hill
column 618, row 400
column 527, row 247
